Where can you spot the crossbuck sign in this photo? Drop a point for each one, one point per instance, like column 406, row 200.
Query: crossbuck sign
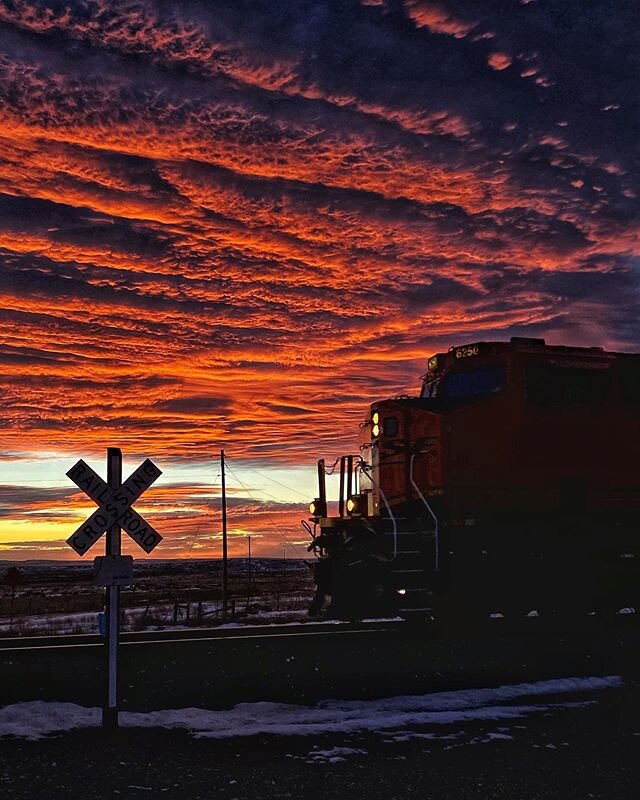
column 114, row 506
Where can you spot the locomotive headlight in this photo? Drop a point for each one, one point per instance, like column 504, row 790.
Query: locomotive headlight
column 375, row 418
column 357, row 505
column 375, row 431
column 317, row 508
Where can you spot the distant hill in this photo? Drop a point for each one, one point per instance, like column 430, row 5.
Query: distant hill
column 83, row 571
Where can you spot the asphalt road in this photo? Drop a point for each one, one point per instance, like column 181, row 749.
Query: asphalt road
column 288, row 665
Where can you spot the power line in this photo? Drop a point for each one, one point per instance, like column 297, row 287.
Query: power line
column 284, row 486
column 274, row 498
column 195, row 535
column 277, row 527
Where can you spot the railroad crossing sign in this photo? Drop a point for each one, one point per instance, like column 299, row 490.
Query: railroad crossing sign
column 114, row 506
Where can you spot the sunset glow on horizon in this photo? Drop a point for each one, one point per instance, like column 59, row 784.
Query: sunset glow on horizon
column 235, row 225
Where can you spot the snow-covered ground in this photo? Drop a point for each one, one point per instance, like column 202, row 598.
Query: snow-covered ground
column 61, row 599
column 50, row 624
column 395, row 718
column 142, row 618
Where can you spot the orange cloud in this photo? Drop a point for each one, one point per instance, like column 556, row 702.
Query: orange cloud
column 500, row 61
column 226, row 229
column 437, row 18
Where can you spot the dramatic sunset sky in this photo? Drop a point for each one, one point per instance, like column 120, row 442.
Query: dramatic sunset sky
column 236, row 223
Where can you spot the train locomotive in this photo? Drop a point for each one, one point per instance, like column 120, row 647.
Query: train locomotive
column 509, row 487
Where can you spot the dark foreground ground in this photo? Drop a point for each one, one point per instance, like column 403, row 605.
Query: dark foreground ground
column 588, row 752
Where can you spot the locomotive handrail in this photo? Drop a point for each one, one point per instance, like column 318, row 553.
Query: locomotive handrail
column 430, row 510
column 365, row 468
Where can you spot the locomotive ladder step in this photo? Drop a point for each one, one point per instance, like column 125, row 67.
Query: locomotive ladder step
column 416, row 598
column 416, row 604
column 402, row 571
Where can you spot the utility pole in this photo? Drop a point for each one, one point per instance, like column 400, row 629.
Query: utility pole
column 284, row 563
column 225, row 565
column 249, row 584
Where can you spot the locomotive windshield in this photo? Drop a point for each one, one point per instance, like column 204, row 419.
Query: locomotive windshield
column 468, row 383
column 472, row 382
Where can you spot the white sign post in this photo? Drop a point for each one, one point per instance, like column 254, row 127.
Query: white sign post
column 113, row 570
column 115, row 500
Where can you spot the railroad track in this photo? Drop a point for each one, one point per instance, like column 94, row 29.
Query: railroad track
column 200, row 634
column 217, row 668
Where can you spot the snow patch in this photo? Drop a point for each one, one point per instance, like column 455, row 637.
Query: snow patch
column 33, row 720
column 333, row 756
column 37, row 718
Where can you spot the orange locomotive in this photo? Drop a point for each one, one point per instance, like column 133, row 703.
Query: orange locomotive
column 510, row 486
